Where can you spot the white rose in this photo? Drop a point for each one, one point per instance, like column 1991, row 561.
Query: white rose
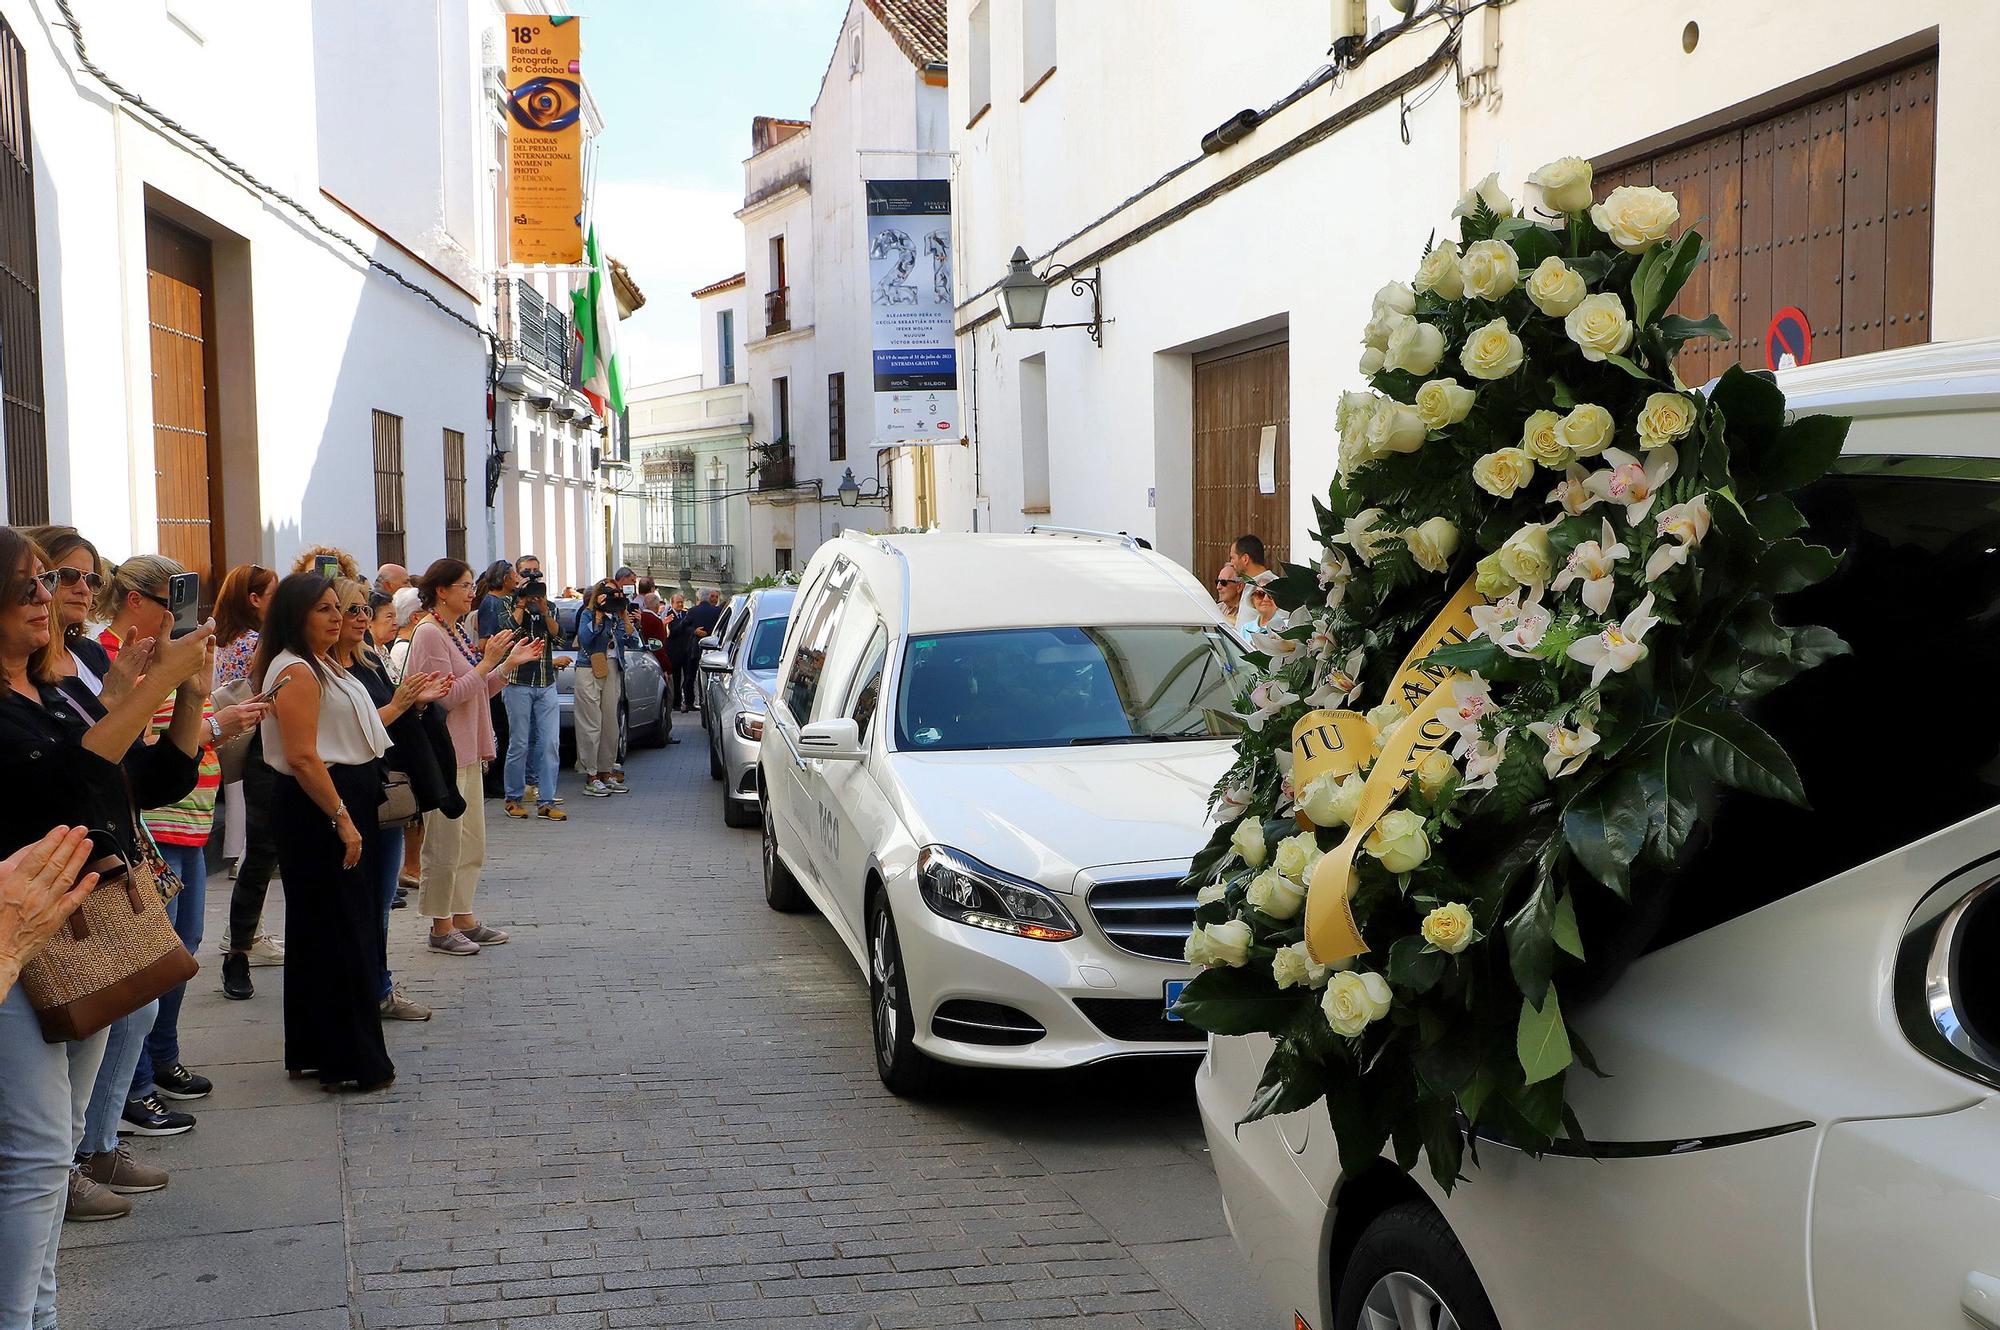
column 1432, row 544
column 1382, row 325
column 1210, row 893
column 1556, row 288
column 1386, row 715
column 1491, row 268
column 1564, row 184
column 1296, row 855
column 1275, row 894
column 1541, row 439
column 1636, row 217
column 1587, row 429
column 1442, row 403
column 1490, row 579
column 1414, row 347
column 1489, row 191
column 1395, row 428
column 1294, row 967
column 1664, row 418
column 1353, row 1001
column 1248, row 841
column 1398, row 297
column 1398, row 840
column 1371, row 361
column 1598, row 325
column 1436, row 768
column 1527, row 557
column 1196, row 950
column 1503, row 471
column 1351, row 416
column 1439, row 275
column 1229, row 942
column 1449, row 928
column 1329, row 800
column 1493, row 352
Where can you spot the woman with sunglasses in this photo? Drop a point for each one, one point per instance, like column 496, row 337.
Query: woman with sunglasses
column 71, row 760
column 79, row 582
column 246, row 832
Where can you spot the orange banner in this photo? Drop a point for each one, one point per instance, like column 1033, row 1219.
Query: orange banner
column 544, row 139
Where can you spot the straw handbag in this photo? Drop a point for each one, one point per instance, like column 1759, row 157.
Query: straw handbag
column 117, row 952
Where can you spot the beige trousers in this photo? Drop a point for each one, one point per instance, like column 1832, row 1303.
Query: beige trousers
column 596, row 705
column 454, row 851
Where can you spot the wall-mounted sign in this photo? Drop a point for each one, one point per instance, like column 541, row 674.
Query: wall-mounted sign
column 1788, row 342
column 910, row 297
column 544, row 139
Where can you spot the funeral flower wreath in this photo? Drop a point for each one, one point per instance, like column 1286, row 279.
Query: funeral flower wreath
column 1509, row 694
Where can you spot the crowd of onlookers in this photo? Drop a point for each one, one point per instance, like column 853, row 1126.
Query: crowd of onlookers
column 336, row 732
column 1241, row 587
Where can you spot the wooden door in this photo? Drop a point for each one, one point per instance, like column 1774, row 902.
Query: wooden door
column 1824, row 207
column 1236, row 398
column 180, row 304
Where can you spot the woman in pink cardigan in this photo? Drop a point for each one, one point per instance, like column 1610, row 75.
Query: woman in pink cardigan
column 455, row 848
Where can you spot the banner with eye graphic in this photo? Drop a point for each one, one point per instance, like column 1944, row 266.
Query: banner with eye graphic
column 544, row 139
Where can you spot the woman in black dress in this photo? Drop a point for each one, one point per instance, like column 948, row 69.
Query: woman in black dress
column 326, row 743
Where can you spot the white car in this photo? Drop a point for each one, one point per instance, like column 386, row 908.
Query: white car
column 987, row 762
column 1801, row 1126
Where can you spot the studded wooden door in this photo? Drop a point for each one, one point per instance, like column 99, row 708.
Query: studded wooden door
column 1824, row 207
column 1236, row 398
column 180, row 311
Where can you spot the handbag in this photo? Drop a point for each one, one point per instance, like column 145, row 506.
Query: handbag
column 399, row 800
column 116, row 953
column 235, row 753
column 600, row 664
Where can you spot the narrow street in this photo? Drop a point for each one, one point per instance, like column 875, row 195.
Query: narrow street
column 656, row 1106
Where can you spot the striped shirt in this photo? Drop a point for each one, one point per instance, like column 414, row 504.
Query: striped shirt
column 189, row 821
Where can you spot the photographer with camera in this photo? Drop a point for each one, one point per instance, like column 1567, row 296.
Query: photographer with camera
column 606, row 626
column 533, row 720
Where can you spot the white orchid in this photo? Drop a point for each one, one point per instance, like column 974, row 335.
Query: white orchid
column 1514, row 625
column 1271, row 640
column 1231, row 803
column 1322, row 644
column 1683, row 527
column 1360, row 534
column 1619, row 647
column 1594, row 563
column 1334, row 575
column 1269, row 697
column 1340, row 684
column 1573, row 491
column 1634, row 483
column 1482, row 760
column 1568, row 748
column 1471, row 697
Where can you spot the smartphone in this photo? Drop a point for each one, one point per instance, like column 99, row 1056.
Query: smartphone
column 184, row 601
column 327, row 566
column 272, row 691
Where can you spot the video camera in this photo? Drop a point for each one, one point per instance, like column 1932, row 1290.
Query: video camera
column 611, row 600
column 532, row 586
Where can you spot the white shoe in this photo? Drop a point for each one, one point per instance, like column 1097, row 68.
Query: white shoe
column 597, row 789
column 266, row 950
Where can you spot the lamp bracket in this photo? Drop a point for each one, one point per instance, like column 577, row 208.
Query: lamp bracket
column 1079, row 284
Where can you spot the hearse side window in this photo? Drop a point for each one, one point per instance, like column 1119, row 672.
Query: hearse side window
column 816, row 630
column 868, row 696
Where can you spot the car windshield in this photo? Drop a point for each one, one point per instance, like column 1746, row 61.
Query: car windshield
column 1051, row 687
column 766, row 642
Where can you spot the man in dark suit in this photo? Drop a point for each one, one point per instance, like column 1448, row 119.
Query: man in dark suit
column 700, row 623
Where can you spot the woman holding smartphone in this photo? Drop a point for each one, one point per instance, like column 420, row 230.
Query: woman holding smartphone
column 325, row 742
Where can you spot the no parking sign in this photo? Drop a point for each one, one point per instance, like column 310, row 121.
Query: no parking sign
column 1788, row 341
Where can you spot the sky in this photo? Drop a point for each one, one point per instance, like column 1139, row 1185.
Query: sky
column 678, row 82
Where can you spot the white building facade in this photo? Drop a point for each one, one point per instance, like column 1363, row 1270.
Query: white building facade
column 881, row 114
column 197, row 359
column 1826, row 159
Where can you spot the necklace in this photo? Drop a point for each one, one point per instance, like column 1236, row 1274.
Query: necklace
column 463, row 643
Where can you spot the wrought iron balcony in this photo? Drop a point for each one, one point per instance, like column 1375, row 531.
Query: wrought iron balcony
column 775, row 473
column 777, row 311
column 533, row 329
column 676, row 562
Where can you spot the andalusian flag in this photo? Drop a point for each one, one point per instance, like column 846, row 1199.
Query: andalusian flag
column 595, row 313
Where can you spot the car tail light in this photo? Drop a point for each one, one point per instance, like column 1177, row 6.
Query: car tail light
column 961, row 888
column 750, row 724
column 1947, row 984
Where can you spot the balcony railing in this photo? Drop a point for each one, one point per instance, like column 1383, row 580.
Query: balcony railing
column 677, row 562
column 777, row 311
column 532, row 329
column 775, row 473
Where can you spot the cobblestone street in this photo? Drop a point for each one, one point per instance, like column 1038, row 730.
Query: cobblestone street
column 656, row 1106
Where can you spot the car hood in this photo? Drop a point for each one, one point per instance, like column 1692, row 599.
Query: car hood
column 752, row 688
column 1046, row 814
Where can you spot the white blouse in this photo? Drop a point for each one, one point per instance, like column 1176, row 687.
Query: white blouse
column 350, row 729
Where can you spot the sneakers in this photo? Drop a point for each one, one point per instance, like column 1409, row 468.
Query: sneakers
column 266, row 950
column 88, row 1203
column 117, row 1171
column 484, row 936
column 514, row 808
column 147, row 1116
column 552, row 813
column 398, row 1007
column 177, row 1082
column 454, row 943
column 617, row 786
column 596, row 788
column 236, row 977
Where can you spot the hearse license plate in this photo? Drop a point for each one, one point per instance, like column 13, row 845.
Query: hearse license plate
column 1174, row 987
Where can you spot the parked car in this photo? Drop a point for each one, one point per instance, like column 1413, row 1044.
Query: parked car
column 724, row 627
column 642, row 712
column 737, row 676
column 1801, row 1125
column 987, row 761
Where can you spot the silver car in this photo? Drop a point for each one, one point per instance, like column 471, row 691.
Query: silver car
column 724, row 626
column 642, row 711
column 737, row 677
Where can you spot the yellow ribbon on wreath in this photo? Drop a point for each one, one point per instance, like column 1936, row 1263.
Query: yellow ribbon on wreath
column 1331, row 932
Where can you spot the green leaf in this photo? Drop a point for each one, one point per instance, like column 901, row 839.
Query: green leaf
column 1629, row 368
column 1675, row 330
column 1752, row 404
column 1415, row 965
column 1531, row 243
column 1560, row 393
column 1520, row 780
column 1743, row 755
column 1565, row 931
column 1606, row 827
column 1774, row 516
column 1285, row 1087
column 1448, row 1063
column 1531, row 945
column 1798, row 454
column 1444, row 1141
column 1475, row 1094
column 1540, row 1041
column 1672, row 783
column 1356, row 1130
column 1477, row 656
column 1792, row 565
column 1661, row 274
column 1240, row 1000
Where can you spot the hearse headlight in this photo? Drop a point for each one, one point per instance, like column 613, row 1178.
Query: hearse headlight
column 966, row 891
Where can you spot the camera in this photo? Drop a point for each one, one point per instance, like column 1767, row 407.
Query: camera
column 612, row 600
column 532, row 585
